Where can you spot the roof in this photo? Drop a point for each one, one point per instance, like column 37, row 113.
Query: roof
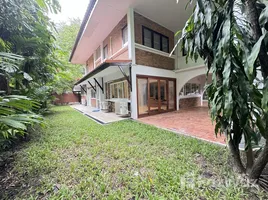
column 102, row 67
column 83, row 25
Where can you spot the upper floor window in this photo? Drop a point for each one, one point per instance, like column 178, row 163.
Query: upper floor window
column 155, row 40
column 125, row 35
column 105, row 52
column 84, row 70
column 98, row 53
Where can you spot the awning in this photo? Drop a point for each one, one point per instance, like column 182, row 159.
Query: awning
column 104, row 69
column 77, row 88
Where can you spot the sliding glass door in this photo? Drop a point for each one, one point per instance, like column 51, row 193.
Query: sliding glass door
column 155, row 95
column 142, row 93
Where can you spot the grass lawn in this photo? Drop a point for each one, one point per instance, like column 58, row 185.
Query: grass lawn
column 75, row 158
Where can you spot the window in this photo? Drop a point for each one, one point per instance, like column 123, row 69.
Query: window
column 125, row 35
column 93, row 93
column 147, row 37
column 119, row 90
column 190, row 89
column 98, row 53
column 155, row 40
column 165, row 44
column 105, row 52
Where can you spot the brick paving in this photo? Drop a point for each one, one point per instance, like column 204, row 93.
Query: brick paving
column 193, row 122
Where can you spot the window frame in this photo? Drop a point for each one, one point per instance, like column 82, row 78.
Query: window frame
column 190, row 89
column 105, row 48
column 152, row 41
column 98, row 56
column 125, row 94
column 124, row 43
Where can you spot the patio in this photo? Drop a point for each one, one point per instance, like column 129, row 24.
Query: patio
column 98, row 115
column 194, row 122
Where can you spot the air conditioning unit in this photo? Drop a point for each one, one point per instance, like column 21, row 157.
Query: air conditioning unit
column 123, row 108
column 117, row 107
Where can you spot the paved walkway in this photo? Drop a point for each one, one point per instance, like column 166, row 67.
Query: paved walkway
column 193, row 122
column 98, row 115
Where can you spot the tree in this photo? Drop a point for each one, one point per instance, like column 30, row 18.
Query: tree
column 25, row 30
column 67, row 73
column 231, row 36
column 27, row 62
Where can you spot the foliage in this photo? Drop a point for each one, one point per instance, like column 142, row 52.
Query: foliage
column 76, row 158
column 27, row 62
column 43, row 96
column 231, row 36
column 15, row 117
column 25, row 30
column 68, row 73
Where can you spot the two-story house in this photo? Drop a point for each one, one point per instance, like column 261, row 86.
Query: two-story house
column 126, row 45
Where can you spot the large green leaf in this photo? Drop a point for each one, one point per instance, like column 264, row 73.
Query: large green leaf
column 12, row 123
column 251, row 58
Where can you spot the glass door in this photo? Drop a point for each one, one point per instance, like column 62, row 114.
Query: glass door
column 171, row 95
column 163, row 100
column 153, row 95
column 142, row 92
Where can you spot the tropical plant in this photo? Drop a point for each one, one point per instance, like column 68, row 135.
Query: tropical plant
column 16, row 117
column 26, row 30
column 27, row 63
column 67, row 73
column 231, row 36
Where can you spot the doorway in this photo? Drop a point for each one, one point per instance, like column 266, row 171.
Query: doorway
column 155, row 95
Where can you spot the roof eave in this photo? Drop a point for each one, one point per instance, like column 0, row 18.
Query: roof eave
column 82, row 27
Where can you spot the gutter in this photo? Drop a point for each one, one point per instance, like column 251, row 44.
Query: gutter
column 83, row 25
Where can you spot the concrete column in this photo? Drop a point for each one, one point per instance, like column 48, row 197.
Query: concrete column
column 133, row 97
column 131, row 35
column 132, row 57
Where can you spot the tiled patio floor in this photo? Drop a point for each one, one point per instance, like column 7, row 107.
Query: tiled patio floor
column 99, row 116
column 194, row 122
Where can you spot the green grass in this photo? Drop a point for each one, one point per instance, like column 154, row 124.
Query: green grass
column 75, row 158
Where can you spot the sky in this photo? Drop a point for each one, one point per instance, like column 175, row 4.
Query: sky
column 70, row 9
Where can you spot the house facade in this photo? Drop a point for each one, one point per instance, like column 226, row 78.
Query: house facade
column 126, row 49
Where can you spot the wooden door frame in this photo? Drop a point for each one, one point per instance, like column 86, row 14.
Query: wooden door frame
column 148, row 95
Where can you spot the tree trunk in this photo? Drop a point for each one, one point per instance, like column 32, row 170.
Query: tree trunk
column 253, row 17
column 235, row 153
column 260, row 163
column 4, row 84
column 250, row 159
